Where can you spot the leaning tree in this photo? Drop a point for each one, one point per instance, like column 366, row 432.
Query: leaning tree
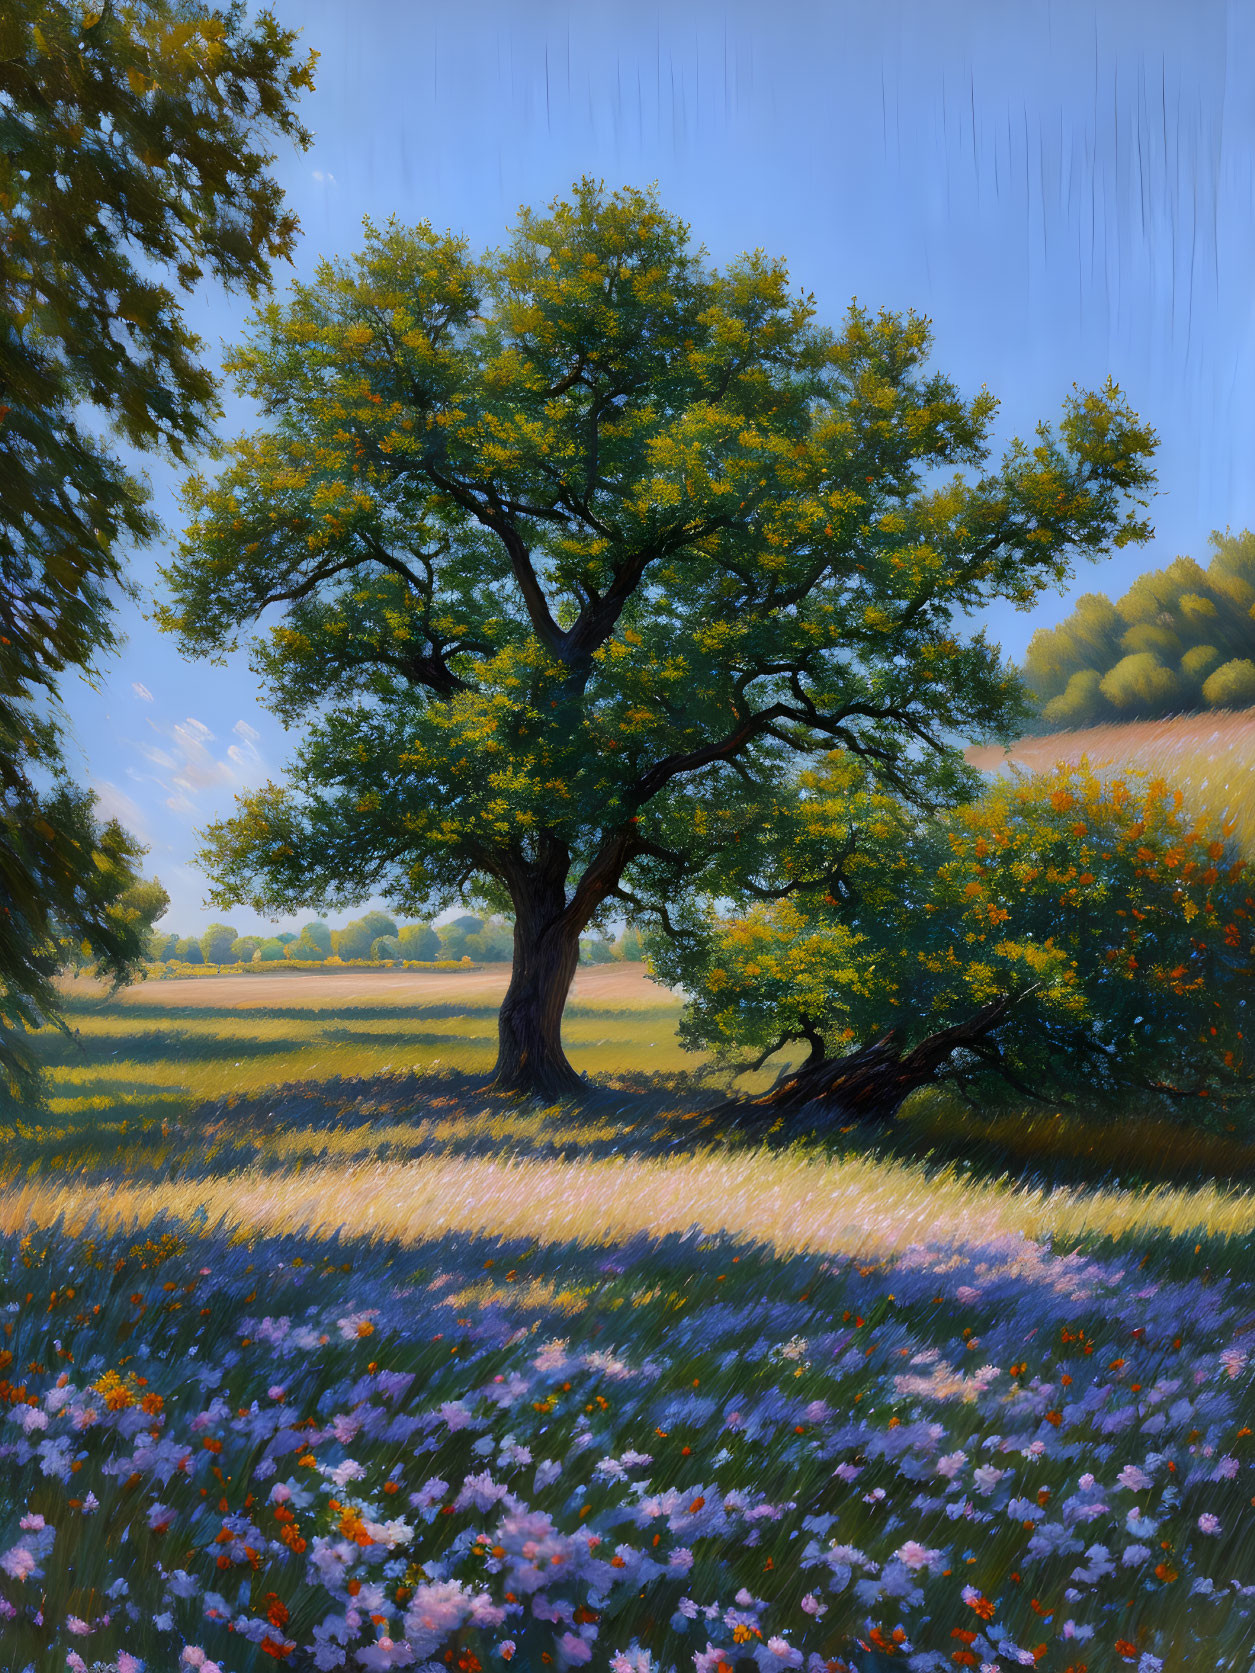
column 1065, row 938
column 572, row 554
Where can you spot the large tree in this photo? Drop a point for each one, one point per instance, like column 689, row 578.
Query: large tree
column 573, row 552
column 130, row 163
column 1064, row 938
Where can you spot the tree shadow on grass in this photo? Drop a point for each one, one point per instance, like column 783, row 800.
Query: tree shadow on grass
column 228, row 1016
column 389, row 1117
column 1036, row 1149
column 169, row 1045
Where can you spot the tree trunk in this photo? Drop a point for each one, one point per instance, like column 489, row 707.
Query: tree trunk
column 867, row 1086
column 530, row 1058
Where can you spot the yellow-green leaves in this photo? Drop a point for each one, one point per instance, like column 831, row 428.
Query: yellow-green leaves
column 1121, row 928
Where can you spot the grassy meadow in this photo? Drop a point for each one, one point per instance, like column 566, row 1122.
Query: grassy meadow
column 316, row 1353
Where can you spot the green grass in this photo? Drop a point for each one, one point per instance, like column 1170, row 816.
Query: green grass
column 142, row 1056
column 270, row 1115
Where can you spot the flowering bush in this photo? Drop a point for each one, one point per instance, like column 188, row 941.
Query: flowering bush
column 669, row 1456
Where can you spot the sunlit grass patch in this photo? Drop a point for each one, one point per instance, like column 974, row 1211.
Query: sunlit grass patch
column 789, row 1203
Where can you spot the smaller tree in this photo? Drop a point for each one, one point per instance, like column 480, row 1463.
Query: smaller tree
column 1082, row 702
column 455, row 935
column 271, row 950
column 216, row 942
column 304, row 947
column 1064, row 937
column 596, row 949
column 1139, row 686
column 243, row 948
column 161, row 944
column 629, row 947
column 187, row 950
column 356, row 938
column 1232, row 686
column 419, row 942
column 385, row 948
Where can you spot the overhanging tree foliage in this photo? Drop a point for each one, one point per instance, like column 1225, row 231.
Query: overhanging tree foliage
column 72, row 897
column 1064, row 938
column 129, row 158
column 580, row 548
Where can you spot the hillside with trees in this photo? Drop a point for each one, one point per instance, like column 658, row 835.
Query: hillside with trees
column 1181, row 639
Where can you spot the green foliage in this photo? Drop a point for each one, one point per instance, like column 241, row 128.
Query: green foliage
column 582, row 545
column 216, row 944
column 1082, row 702
column 355, row 939
column 1169, row 644
column 484, row 940
column 318, row 934
column 419, row 941
column 271, row 949
column 1231, row 686
column 131, row 158
column 1197, row 663
column 188, row 950
column 1140, row 687
column 596, row 949
column 160, row 945
column 629, row 946
column 305, row 949
column 1121, row 930
column 242, row 950
column 455, row 935
column 385, row 948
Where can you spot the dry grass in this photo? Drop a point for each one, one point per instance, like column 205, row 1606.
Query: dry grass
column 1209, row 757
column 789, row 1202
column 617, row 986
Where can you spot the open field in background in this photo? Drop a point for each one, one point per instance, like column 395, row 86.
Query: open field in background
column 1209, row 757
column 165, row 1045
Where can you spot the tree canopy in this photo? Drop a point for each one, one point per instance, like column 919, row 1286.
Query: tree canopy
column 1182, row 638
column 130, row 161
column 1066, row 937
column 569, row 554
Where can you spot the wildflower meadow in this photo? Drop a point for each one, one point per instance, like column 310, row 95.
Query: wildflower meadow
column 986, row 1440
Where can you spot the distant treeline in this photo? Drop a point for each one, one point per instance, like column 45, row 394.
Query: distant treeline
column 375, row 937
column 1182, row 639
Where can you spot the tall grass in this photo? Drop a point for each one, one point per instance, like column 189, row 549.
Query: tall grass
column 367, row 1118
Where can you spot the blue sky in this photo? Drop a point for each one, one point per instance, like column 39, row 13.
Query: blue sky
column 1064, row 187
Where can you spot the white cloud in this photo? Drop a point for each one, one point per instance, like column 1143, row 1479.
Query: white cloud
column 188, row 762
column 141, row 691
column 323, row 178
column 112, row 803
